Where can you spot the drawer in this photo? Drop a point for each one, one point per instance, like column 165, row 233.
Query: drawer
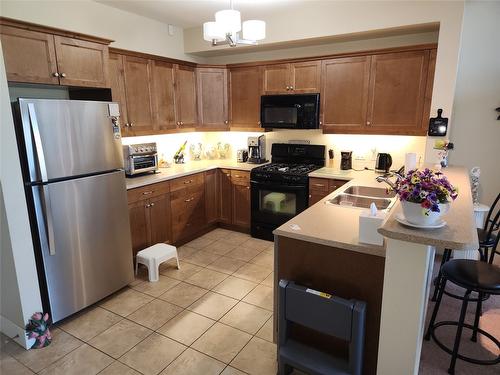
column 240, row 178
column 187, row 181
column 148, row 191
column 320, row 185
column 335, row 184
column 226, row 172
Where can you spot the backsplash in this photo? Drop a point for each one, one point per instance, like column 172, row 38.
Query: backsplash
column 364, row 147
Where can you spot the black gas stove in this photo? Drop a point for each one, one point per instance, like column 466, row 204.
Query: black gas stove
column 280, row 190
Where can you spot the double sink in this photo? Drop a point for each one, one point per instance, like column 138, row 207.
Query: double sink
column 363, row 196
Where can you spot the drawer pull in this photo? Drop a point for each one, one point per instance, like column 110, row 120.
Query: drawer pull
column 189, row 199
column 151, row 204
column 237, row 176
column 147, row 192
column 188, row 181
column 319, row 185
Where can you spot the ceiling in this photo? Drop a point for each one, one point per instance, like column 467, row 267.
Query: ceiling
column 191, row 13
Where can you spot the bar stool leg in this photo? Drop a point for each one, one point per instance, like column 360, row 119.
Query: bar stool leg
column 446, row 257
column 460, row 327
column 476, row 318
column 440, row 289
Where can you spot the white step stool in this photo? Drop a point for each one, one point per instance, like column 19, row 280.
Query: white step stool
column 155, row 255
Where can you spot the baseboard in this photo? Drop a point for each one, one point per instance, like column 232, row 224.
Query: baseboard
column 15, row 332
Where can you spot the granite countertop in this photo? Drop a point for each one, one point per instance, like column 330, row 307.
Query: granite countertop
column 180, row 170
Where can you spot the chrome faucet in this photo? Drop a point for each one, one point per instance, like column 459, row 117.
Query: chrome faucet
column 385, row 178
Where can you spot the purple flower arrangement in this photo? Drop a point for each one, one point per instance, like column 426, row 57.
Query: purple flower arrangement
column 427, row 188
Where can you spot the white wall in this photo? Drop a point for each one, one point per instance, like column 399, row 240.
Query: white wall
column 130, row 31
column 475, row 131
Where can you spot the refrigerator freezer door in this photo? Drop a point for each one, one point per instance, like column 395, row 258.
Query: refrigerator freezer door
column 91, row 256
column 76, row 138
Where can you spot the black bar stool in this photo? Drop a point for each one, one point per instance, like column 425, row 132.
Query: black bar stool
column 474, row 276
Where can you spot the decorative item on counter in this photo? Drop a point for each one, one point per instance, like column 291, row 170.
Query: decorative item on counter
column 438, row 126
column 179, row 155
column 196, row 150
column 210, row 152
column 475, row 173
column 425, row 196
column 223, row 150
column 162, row 162
column 443, row 148
column 369, row 221
column 38, row 329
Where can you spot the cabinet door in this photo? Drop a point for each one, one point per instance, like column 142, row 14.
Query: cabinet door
column 344, row 94
column 212, row 98
column 305, row 77
column 315, row 197
column 139, row 225
column 397, row 92
column 245, row 91
column 277, row 79
column 138, row 95
column 163, row 94
column 160, row 219
column 211, row 196
column 225, row 196
column 241, row 205
column 185, row 96
column 81, row 63
column 29, row 56
column 117, row 84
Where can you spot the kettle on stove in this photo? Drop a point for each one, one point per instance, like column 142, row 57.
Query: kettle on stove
column 383, row 163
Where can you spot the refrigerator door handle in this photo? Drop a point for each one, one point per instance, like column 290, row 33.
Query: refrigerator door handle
column 45, row 195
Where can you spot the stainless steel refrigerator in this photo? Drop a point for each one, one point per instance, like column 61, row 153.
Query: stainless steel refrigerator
column 71, row 156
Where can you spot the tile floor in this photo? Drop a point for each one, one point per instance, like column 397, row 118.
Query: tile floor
column 213, row 316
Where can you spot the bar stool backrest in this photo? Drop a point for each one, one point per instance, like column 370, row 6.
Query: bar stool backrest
column 494, row 248
column 489, row 224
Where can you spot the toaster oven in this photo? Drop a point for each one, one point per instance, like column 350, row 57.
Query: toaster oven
column 140, row 158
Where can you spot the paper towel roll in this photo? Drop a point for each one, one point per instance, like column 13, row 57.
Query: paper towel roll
column 410, row 161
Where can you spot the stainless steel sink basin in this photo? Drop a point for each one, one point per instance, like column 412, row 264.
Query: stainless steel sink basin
column 368, row 191
column 359, row 201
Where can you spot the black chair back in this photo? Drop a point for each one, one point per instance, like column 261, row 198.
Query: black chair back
column 492, row 225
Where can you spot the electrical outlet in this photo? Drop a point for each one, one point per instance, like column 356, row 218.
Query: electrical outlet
column 359, row 157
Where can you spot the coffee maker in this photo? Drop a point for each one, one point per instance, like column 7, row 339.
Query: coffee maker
column 345, row 160
column 257, row 150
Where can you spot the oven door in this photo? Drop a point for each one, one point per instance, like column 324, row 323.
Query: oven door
column 143, row 163
column 275, row 204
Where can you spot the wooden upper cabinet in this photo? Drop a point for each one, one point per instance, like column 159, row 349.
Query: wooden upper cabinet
column 117, row 84
column 277, row 79
column 81, row 63
column 163, row 94
column 212, row 98
column 29, row 56
column 245, row 86
column 305, row 77
column 397, row 92
column 138, row 95
column 185, row 96
column 344, row 93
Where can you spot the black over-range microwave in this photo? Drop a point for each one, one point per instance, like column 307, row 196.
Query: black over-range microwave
column 299, row 111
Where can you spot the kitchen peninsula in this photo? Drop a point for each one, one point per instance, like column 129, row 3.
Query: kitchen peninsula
column 320, row 249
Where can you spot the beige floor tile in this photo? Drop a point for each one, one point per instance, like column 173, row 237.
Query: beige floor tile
column 120, row 338
column 220, row 247
column 85, row 360
column 38, row 359
column 10, row 366
column 243, row 253
column 226, row 265
column 222, row 342
column 90, row 322
column 157, row 288
column 118, row 368
column 231, row 371
column 269, row 281
column 125, row 302
column 264, row 259
column 248, row 318
column 261, row 296
column 266, row 332
column 200, row 242
column 257, row 243
column 236, row 237
column 153, row 354
column 155, row 314
column 186, row 327
column 253, row 272
column 217, row 234
column 186, row 271
column 202, row 258
column 234, row 287
column 183, row 294
column 207, row 278
column 258, row 357
column 185, row 251
column 192, row 362
column 213, row 305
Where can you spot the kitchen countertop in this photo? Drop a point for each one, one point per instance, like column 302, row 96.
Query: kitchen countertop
column 180, row 170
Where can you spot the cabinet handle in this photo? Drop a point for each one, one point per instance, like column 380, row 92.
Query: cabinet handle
column 258, row 122
column 151, row 204
column 226, row 122
column 237, row 176
column 368, row 123
column 147, row 192
column 182, row 123
column 189, row 199
column 147, row 206
column 319, row 185
column 63, row 75
column 228, row 175
column 188, row 181
column 131, row 124
column 55, row 74
column 287, row 88
column 310, row 196
column 321, row 122
column 248, row 187
column 291, row 88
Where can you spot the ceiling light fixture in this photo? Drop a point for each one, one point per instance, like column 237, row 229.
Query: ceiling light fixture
column 227, row 26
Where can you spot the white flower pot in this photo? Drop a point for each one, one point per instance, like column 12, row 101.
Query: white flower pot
column 416, row 214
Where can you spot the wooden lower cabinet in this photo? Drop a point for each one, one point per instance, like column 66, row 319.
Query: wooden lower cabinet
column 225, row 196
column 139, row 221
column 241, row 198
column 321, row 187
column 160, row 221
column 211, row 196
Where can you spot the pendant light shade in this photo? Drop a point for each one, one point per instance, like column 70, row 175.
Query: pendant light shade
column 254, row 30
column 212, row 31
column 229, row 20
